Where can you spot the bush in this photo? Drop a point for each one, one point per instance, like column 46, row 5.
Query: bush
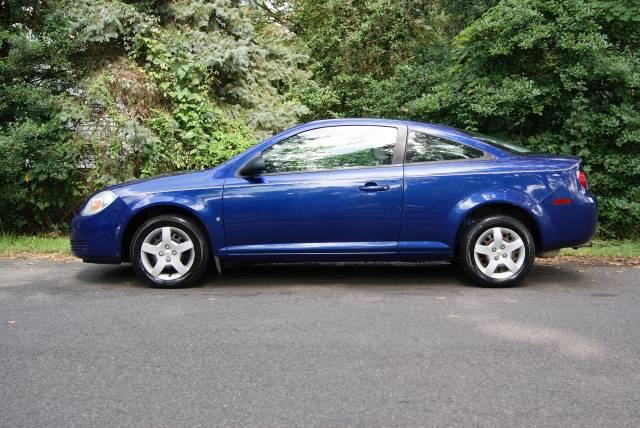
column 545, row 72
column 94, row 92
column 39, row 176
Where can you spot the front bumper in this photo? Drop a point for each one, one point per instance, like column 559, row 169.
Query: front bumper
column 98, row 238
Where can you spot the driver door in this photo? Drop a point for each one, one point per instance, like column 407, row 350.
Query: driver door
column 335, row 189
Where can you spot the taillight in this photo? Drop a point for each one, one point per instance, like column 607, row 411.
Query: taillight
column 582, row 178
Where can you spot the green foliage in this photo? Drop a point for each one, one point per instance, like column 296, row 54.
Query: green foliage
column 195, row 133
column 355, row 49
column 545, row 73
column 100, row 21
column 619, row 10
column 211, row 87
column 373, row 57
column 40, row 181
column 610, row 248
column 558, row 75
column 16, row 245
column 94, row 92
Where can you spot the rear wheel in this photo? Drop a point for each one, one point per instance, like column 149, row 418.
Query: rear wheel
column 170, row 251
column 497, row 251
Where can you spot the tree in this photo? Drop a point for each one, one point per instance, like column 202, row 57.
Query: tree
column 39, row 64
column 546, row 72
column 94, row 92
column 213, row 82
column 373, row 57
column 102, row 91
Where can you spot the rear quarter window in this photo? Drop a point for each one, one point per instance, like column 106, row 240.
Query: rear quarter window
column 422, row 147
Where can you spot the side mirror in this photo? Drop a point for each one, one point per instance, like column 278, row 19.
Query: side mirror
column 254, row 167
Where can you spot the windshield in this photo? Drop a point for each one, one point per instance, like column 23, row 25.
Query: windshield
column 507, row 146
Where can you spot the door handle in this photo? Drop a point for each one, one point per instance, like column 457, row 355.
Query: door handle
column 373, row 187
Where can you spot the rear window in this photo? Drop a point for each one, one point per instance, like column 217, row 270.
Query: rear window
column 501, row 144
column 423, row 147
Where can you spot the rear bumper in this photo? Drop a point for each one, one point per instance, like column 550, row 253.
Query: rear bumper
column 98, row 238
column 572, row 225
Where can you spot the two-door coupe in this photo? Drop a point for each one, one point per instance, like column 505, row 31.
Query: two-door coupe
column 351, row 189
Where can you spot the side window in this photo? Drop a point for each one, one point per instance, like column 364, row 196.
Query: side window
column 423, row 147
column 332, row 147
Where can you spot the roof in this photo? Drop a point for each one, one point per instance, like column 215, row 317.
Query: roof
column 379, row 121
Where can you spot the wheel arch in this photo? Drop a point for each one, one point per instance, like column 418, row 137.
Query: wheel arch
column 151, row 211
column 499, row 208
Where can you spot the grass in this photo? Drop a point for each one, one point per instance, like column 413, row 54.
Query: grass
column 13, row 245
column 623, row 249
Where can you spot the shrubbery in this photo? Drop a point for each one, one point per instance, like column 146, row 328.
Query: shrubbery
column 94, row 92
column 547, row 73
column 561, row 76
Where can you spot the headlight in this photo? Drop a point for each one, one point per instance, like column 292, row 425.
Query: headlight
column 99, row 202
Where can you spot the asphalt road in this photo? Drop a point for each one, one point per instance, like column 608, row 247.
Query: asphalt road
column 316, row 345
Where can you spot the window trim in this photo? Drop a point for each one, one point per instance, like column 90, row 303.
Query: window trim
column 486, row 156
column 396, row 160
column 345, row 168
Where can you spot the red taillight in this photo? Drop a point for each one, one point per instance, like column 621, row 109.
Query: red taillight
column 582, row 178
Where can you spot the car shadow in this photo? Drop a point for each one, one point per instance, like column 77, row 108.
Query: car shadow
column 342, row 274
column 352, row 275
column 109, row 275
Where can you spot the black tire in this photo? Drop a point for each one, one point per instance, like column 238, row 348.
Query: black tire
column 201, row 251
column 475, row 231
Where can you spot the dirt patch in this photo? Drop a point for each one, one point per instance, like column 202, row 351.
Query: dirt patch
column 590, row 261
column 41, row 256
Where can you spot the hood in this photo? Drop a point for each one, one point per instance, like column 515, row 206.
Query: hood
column 146, row 179
column 170, row 182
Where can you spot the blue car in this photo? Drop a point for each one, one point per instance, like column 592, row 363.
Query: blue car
column 347, row 190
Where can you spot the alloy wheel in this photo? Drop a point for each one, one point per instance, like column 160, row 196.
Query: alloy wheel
column 499, row 253
column 167, row 253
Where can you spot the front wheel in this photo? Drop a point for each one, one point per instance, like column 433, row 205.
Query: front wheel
column 497, row 251
column 170, row 251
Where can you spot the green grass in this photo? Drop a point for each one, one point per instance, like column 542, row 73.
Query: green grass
column 11, row 245
column 626, row 249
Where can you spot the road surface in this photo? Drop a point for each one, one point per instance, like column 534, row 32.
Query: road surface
column 318, row 345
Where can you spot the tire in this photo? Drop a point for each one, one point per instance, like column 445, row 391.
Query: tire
column 170, row 251
column 501, row 263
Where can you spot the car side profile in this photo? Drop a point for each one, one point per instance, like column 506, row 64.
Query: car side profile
column 347, row 190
